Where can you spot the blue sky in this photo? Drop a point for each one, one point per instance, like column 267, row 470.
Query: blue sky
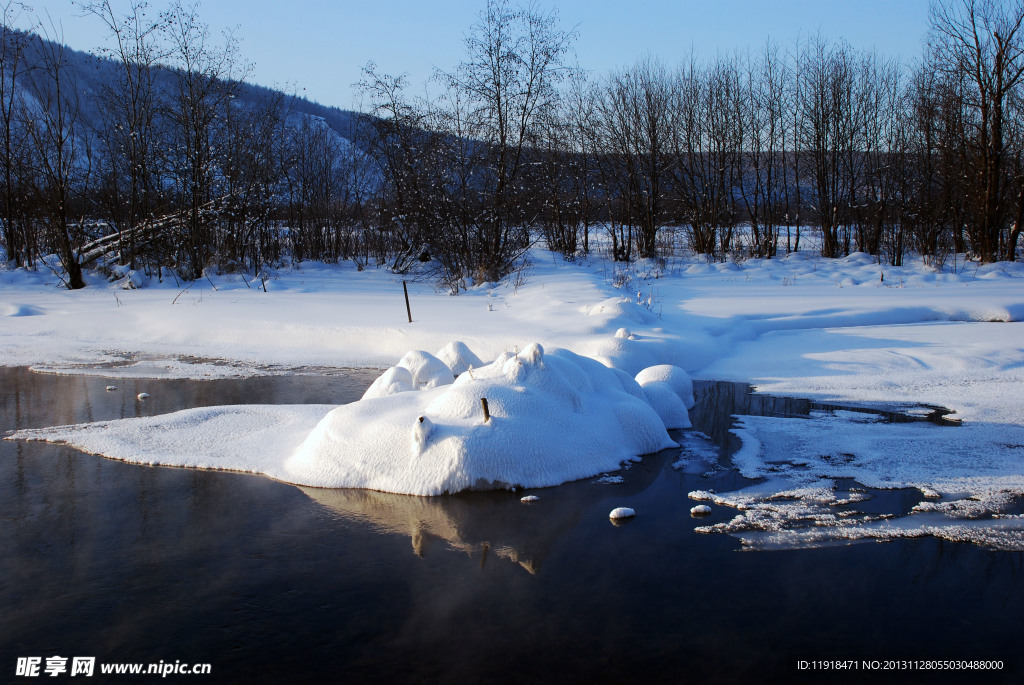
column 319, row 46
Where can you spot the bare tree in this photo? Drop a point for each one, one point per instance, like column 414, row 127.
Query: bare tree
column 708, row 150
column 405, row 150
column 515, row 60
column 60, row 150
column 565, row 160
column 763, row 130
column 793, row 125
column 251, row 170
column 635, row 115
column 1017, row 145
column 828, row 135
column 205, row 83
column 981, row 43
column 583, row 144
column 880, row 223
column 129, row 107
column 13, row 139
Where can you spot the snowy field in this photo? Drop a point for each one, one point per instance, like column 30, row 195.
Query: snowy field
column 847, row 331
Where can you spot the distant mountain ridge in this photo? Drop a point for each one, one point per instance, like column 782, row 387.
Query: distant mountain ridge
column 90, row 71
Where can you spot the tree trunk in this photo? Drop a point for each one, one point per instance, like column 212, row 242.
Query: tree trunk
column 1011, row 244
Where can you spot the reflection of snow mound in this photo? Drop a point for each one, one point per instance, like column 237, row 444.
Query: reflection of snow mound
column 518, row 530
column 555, row 417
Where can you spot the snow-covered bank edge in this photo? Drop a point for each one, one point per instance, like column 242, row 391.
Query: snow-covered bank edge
column 528, row 419
column 796, row 326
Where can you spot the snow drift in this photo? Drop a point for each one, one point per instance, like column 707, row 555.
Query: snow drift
column 554, row 417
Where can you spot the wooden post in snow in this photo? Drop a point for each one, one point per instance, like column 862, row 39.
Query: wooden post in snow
column 408, row 310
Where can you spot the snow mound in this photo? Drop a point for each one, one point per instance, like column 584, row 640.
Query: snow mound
column 417, row 370
column 437, row 441
column 633, row 352
column 128, row 278
column 629, row 385
column 394, row 380
column 552, row 417
column 621, row 310
column 458, row 357
column 621, row 513
column 678, row 379
column 629, row 354
column 670, row 391
column 700, row 510
column 427, row 370
column 666, row 402
column 22, row 310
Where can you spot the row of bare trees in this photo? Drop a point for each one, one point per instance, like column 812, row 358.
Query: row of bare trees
column 750, row 154
column 162, row 131
column 460, row 170
column 875, row 156
column 745, row 152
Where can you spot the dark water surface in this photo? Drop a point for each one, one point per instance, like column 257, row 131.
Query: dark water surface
column 272, row 583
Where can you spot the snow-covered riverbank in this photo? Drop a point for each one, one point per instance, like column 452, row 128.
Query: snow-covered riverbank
column 847, row 330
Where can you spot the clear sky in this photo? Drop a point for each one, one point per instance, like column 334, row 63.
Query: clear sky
column 319, row 46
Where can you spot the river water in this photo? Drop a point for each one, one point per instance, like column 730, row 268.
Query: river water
column 268, row 582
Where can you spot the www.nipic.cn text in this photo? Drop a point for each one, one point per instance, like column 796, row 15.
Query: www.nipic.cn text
column 85, row 666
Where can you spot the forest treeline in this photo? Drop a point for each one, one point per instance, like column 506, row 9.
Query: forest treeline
column 164, row 168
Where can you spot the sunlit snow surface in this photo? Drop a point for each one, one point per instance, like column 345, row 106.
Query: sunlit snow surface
column 847, row 331
column 965, row 493
column 248, row 438
column 418, row 430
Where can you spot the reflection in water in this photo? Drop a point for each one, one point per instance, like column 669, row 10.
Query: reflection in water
column 133, row 563
column 719, row 401
column 478, row 524
column 485, row 523
column 34, row 400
